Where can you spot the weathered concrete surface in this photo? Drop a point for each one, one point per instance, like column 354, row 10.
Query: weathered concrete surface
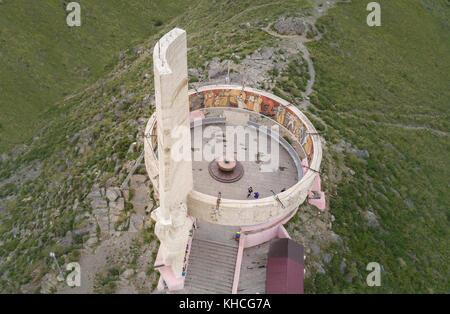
column 248, row 212
column 175, row 177
column 253, row 270
column 262, row 182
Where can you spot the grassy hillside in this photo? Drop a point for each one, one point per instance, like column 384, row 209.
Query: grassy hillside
column 385, row 90
column 42, row 59
column 77, row 149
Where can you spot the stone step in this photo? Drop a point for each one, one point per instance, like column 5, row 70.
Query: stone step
column 219, row 242
column 211, row 261
column 196, row 290
column 229, row 243
column 195, row 269
column 200, row 242
column 202, row 252
column 208, row 290
column 192, row 290
column 214, row 251
column 229, row 251
column 207, row 282
column 208, row 252
column 223, row 262
column 211, row 250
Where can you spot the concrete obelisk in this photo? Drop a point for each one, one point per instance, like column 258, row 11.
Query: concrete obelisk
column 175, row 174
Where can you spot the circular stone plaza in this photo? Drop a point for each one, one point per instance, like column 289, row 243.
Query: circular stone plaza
column 211, row 225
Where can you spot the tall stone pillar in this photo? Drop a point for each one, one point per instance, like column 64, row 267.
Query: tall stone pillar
column 175, row 175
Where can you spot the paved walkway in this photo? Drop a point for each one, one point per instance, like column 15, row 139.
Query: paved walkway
column 284, row 176
column 253, row 270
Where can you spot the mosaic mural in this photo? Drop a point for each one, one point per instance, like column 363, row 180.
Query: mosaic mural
column 257, row 103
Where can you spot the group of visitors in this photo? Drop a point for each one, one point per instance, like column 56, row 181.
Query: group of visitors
column 256, row 194
column 250, row 192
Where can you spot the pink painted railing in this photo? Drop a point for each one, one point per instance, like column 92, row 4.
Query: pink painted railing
column 237, row 269
column 272, row 230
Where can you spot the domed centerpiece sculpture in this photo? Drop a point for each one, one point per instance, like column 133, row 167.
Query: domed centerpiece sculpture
column 226, row 169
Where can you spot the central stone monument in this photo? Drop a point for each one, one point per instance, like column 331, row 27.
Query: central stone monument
column 227, row 164
column 175, row 176
column 226, row 169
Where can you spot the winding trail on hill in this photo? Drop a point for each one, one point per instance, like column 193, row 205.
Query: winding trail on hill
column 299, row 42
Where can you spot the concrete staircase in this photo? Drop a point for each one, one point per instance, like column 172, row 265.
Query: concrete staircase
column 212, row 260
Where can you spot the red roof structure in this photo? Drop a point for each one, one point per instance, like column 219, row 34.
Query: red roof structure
column 285, row 267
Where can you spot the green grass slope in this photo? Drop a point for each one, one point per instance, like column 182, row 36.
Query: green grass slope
column 385, row 89
column 41, row 212
column 42, row 59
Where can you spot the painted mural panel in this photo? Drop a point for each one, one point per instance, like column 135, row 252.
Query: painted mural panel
column 257, row 103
